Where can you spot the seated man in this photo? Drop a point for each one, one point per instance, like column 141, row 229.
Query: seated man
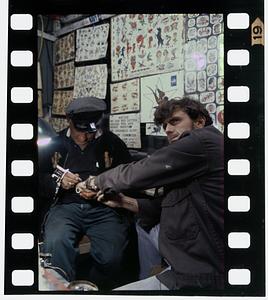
column 191, row 211
column 79, row 151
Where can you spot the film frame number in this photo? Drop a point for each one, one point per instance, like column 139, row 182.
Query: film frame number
column 257, row 32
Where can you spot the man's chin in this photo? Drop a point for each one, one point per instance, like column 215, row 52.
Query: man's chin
column 82, row 144
column 174, row 139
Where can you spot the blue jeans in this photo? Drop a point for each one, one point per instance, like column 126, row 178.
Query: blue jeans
column 108, row 233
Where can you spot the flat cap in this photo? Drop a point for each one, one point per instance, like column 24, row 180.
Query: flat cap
column 85, row 105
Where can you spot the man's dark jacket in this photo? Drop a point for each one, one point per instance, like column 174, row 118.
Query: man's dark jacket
column 192, row 208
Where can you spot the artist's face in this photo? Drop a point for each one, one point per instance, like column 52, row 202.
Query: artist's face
column 81, row 138
column 178, row 123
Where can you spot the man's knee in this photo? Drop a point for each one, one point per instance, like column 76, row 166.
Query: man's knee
column 58, row 240
column 110, row 258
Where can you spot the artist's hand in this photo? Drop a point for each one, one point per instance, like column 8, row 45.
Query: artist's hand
column 81, row 186
column 70, row 180
column 88, row 194
column 88, row 185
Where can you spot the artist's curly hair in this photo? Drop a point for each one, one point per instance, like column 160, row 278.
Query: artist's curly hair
column 192, row 108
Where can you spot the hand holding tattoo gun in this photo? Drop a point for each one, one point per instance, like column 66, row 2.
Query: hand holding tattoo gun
column 64, row 178
column 87, row 189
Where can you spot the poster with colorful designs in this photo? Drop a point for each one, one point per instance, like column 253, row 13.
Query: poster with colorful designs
column 64, row 48
column 204, row 62
column 220, row 118
column 91, row 42
column 127, row 127
column 91, row 81
column 64, row 75
column 60, row 100
column 144, row 44
column 125, row 96
column 158, row 87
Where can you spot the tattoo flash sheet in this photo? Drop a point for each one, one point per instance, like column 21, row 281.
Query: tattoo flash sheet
column 156, row 88
column 58, row 123
column 64, row 75
column 60, row 100
column 91, row 42
column 204, row 61
column 125, row 96
column 64, row 48
column 91, row 81
column 144, row 44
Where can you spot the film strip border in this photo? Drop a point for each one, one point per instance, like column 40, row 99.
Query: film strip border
column 21, row 164
column 244, row 159
column 244, row 155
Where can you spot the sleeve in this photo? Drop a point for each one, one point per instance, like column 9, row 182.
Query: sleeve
column 47, row 185
column 119, row 151
column 180, row 161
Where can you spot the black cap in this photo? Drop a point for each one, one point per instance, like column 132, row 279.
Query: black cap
column 86, row 104
column 85, row 113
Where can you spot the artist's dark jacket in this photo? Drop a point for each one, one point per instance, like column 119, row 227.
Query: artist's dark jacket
column 103, row 153
column 191, row 210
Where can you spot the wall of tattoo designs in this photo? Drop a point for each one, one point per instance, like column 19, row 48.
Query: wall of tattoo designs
column 152, row 57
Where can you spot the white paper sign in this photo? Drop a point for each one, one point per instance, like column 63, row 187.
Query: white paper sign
column 127, row 127
column 157, row 87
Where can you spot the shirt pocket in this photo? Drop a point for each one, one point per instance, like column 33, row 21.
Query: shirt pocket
column 178, row 220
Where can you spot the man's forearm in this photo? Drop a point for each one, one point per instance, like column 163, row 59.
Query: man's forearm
column 130, row 204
